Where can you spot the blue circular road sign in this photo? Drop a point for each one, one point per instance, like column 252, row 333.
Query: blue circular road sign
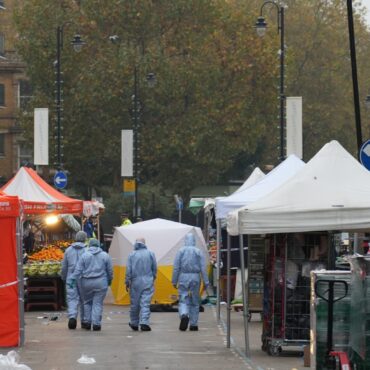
column 60, row 180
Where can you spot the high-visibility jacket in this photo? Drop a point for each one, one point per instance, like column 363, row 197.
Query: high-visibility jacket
column 126, row 222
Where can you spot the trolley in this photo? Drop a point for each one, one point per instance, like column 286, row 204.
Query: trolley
column 286, row 305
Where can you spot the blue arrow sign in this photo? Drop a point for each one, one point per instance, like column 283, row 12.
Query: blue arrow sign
column 179, row 204
column 60, row 180
column 365, row 154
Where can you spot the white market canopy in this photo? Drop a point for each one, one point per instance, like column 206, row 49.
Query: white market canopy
column 221, row 202
column 254, row 177
column 331, row 192
column 271, row 181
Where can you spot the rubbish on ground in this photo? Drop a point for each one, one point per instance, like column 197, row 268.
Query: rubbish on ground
column 86, row 360
column 11, row 362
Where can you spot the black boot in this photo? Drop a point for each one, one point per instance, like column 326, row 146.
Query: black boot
column 145, row 327
column 86, row 325
column 72, row 323
column 96, row 327
column 184, row 322
column 133, row 327
column 193, row 328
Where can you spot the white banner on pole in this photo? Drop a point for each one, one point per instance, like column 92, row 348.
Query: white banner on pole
column 294, row 143
column 127, row 153
column 41, row 136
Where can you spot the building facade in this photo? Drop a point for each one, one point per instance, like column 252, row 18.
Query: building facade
column 14, row 92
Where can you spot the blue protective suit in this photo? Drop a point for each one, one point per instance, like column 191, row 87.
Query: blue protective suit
column 141, row 272
column 71, row 257
column 96, row 273
column 188, row 266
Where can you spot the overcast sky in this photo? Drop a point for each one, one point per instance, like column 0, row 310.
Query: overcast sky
column 367, row 5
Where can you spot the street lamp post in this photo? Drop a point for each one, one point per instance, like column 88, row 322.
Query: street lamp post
column 356, row 98
column 77, row 44
column 151, row 80
column 136, row 123
column 136, row 127
column 261, row 26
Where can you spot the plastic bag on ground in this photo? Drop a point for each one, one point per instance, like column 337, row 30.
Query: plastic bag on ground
column 10, row 361
column 85, row 360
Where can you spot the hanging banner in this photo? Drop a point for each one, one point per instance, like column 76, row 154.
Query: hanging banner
column 41, row 136
column 129, row 186
column 294, row 143
column 127, row 153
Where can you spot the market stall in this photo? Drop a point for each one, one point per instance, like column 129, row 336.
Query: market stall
column 11, row 278
column 48, row 227
column 224, row 207
column 332, row 192
column 164, row 238
column 92, row 211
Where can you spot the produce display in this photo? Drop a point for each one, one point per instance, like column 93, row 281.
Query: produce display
column 47, row 260
column 49, row 253
column 33, row 269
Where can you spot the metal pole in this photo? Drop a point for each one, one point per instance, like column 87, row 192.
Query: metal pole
column 356, row 99
column 228, row 291
column 136, row 156
column 218, row 272
column 19, row 238
column 245, row 305
column 356, row 248
column 58, row 100
column 98, row 226
column 282, row 93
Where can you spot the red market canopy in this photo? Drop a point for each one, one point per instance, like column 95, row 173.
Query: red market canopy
column 38, row 196
column 9, row 205
column 10, row 323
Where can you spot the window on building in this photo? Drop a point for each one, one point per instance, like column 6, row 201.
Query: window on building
column 2, row 45
column 2, row 145
column 24, row 154
column 2, row 95
column 25, row 93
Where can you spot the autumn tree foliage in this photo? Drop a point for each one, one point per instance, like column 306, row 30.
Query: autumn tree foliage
column 213, row 112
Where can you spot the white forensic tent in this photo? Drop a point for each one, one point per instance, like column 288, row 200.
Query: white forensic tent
column 331, row 192
column 164, row 238
column 278, row 176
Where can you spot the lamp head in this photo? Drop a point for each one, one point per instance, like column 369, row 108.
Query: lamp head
column 114, row 39
column 77, row 43
column 261, row 26
column 367, row 102
column 151, row 79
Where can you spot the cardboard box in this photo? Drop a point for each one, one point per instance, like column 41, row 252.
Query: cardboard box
column 306, row 356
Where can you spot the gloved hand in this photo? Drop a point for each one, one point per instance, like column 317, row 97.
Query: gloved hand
column 127, row 287
column 174, row 285
column 109, row 282
column 71, row 283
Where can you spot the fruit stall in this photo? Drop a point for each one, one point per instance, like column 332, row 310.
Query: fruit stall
column 48, row 229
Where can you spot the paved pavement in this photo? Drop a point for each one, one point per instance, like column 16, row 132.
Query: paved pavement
column 290, row 358
column 50, row 345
